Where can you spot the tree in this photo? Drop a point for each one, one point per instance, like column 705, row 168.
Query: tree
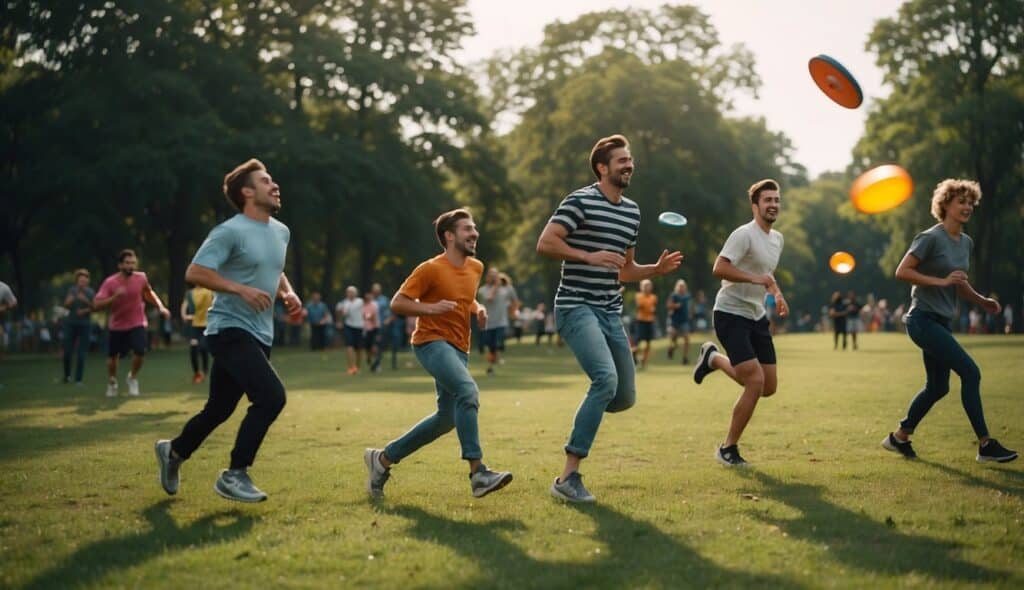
column 956, row 110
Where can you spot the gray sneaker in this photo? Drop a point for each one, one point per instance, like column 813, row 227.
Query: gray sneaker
column 168, row 466
column 377, row 474
column 484, row 481
column 234, row 484
column 572, row 490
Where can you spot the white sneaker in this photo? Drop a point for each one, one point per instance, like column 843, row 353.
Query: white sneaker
column 133, row 384
column 111, row 388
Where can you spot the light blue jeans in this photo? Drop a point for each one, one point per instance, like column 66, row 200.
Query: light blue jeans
column 458, row 400
column 601, row 346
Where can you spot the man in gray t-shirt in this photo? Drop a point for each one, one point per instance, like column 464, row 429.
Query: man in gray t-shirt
column 499, row 299
column 746, row 265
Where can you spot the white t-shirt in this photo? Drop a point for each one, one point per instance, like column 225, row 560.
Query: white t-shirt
column 751, row 250
column 352, row 312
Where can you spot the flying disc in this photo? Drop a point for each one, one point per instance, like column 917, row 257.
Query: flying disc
column 835, row 81
column 881, row 189
column 842, row 262
column 672, row 219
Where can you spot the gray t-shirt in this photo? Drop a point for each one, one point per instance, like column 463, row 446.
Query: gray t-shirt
column 497, row 306
column 751, row 250
column 6, row 295
column 938, row 254
column 252, row 253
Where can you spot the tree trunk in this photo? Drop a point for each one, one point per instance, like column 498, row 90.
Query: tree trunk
column 367, row 258
column 297, row 273
column 330, row 255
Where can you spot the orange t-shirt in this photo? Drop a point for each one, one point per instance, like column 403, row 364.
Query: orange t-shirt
column 646, row 303
column 438, row 279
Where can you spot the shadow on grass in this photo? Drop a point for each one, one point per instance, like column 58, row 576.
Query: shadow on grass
column 1014, row 478
column 637, row 554
column 96, row 560
column 29, row 441
column 859, row 541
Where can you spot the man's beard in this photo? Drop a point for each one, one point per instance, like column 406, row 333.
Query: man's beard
column 127, row 271
column 466, row 249
column 619, row 181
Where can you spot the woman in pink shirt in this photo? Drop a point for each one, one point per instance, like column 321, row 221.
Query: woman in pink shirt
column 371, row 330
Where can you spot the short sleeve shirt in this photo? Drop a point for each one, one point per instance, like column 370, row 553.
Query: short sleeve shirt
column 351, row 312
column 750, row 249
column 252, row 253
column 438, row 279
column 646, row 304
column 128, row 311
column 939, row 254
column 497, row 306
column 6, row 295
column 594, row 223
column 681, row 314
column 202, row 300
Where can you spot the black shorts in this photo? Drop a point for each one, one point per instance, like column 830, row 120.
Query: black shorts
column 353, row 337
column 121, row 342
column 745, row 339
column 644, row 331
column 370, row 338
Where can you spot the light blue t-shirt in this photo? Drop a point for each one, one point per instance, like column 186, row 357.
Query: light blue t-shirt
column 252, row 253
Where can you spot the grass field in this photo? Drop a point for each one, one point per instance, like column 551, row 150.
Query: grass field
column 822, row 506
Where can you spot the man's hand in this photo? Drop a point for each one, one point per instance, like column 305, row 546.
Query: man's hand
column 292, row 303
column 605, row 259
column 481, row 317
column 254, row 298
column 956, row 278
column 165, row 312
column 442, row 306
column 768, row 282
column 991, row 305
column 120, row 291
column 780, row 305
column 668, row 261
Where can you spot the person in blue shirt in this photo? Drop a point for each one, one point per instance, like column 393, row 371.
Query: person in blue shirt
column 679, row 319
column 319, row 317
column 242, row 260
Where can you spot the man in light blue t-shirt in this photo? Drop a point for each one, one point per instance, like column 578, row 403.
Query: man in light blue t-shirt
column 242, row 260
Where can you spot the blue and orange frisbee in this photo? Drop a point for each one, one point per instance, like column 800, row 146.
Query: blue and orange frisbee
column 835, row 81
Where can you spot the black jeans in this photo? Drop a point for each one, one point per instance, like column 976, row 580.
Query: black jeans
column 241, row 364
column 75, row 332
column 318, row 337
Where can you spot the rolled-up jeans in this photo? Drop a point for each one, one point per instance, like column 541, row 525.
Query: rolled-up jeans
column 598, row 339
column 942, row 353
column 458, row 400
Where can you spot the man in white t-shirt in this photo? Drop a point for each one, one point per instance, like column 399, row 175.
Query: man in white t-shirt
column 745, row 265
column 499, row 299
column 349, row 314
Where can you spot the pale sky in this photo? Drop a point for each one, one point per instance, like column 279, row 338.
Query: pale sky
column 782, row 35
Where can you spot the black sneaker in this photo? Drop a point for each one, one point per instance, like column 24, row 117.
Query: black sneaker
column 703, row 366
column 891, row 443
column 993, row 451
column 730, row 456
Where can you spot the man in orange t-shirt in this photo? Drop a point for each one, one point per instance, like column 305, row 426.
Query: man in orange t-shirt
column 646, row 304
column 441, row 292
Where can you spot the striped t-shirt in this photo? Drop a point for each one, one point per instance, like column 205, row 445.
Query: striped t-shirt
column 594, row 224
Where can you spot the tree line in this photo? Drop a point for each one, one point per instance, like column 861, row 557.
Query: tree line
column 121, row 117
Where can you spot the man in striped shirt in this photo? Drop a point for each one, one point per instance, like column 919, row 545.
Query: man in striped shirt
column 594, row 232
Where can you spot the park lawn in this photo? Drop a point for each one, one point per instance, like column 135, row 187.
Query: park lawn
column 822, row 506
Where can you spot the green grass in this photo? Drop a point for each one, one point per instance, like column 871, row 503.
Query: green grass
column 824, row 505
